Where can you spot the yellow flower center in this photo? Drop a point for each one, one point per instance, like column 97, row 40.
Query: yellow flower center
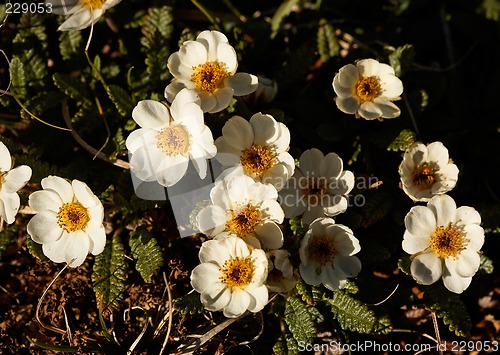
column 94, row 4
column 237, row 272
column 368, row 88
column 448, row 241
column 72, row 216
column 423, row 176
column 243, row 222
column 209, row 76
column 173, row 140
column 322, row 250
column 256, row 159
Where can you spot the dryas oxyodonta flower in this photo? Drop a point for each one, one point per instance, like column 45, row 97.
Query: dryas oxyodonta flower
column 69, row 221
column 82, row 13
column 231, row 277
column 208, row 66
column 327, row 254
column 259, row 147
column 444, row 242
column 11, row 181
column 427, row 171
column 168, row 138
column 367, row 89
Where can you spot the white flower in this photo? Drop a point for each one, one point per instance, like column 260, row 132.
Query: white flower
column 162, row 148
column 231, row 277
column 245, row 208
column 327, row 254
column 259, row 147
column 208, row 66
column 367, row 89
column 444, row 242
column 281, row 277
column 69, row 222
column 318, row 187
column 427, row 171
column 11, row 181
column 83, row 12
column 267, row 90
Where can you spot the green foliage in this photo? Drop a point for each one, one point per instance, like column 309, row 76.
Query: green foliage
column 147, row 253
column 35, row 249
column 486, row 265
column 328, row 44
column 404, row 264
column 309, row 294
column 351, row 314
column 18, row 77
column 286, row 344
column 189, row 304
column 7, row 236
column 491, row 9
column 71, row 86
column 121, row 99
column 299, row 320
column 401, row 58
column 403, row 141
column 35, row 68
column 296, row 226
column 70, row 44
column 109, row 274
column 43, row 101
column 450, row 308
column 281, row 13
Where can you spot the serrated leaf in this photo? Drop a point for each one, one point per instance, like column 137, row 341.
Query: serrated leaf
column 18, row 77
column 351, row 314
column 403, row 141
column 328, row 45
column 299, row 320
column 35, row 68
column 71, row 86
column 281, row 13
column 309, row 294
column 109, row 274
column 43, row 101
column 121, row 99
column 486, row 265
column 189, row 304
column 70, row 44
column 286, row 344
column 450, row 308
column 401, row 58
column 146, row 251
column 404, row 264
column 7, row 236
column 35, row 249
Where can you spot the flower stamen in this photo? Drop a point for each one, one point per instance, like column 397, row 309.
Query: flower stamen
column 448, row 241
column 94, row 4
column 173, row 140
column 237, row 272
column 368, row 88
column 244, row 222
column 209, row 76
column 256, row 159
column 423, row 176
column 72, row 216
column 322, row 250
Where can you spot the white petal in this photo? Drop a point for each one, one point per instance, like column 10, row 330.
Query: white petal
column 332, row 278
column 227, row 55
column 347, row 105
column 193, row 53
column 77, row 247
column 16, row 178
column 61, row 186
column 270, row 235
column 216, row 296
column 312, row 212
column 211, row 40
column 97, row 240
column 145, row 161
column 292, row 201
column 467, row 215
column 9, row 206
column 84, row 194
column 265, row 129
column 465, row 264
column 177, row 68
column 309, row 275
column 276, row 176
column 258, row 192
column 331, row 166
column 43, row 200
column 43, row 228
column 212, row 220
column 454, row 282
column 63, row 7
column 5, row 158
column 243, row 83
column 346, row 77
column 283, row 142
column 204, row 275
column 426, row 268
column 182, row 105
column 349, row 265
column 238, row 133
column 392, row 86
column 345, row 242
column 171, row 170
column 420, row 221
column 227, row 155
column 240, row 300
column 81, row 19
column 151, row 114
column 438, row 153
column 208, row 101
column 369, row 110
column 475, row 235
column 310, row 163
column 260, row 296
column 211, row 251
column 55, row 251
column 413, row 244
column 223, row 98
column 174, row 87
column 338, row 205
column 140, row 137
column 96, row 215
column 368, row 67
column 444, row 208
column 388, row 109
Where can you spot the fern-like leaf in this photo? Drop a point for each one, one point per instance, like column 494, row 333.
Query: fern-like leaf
column 7, row 236
column 351, row 314
column 299, row 320
column 450, row 308
column 189, row 304
column 121, row 99
column 328, row 45
column 35, row 249
column 486, row 265
column 71, row 86
column 404, row 264
column 147, row 253
column 281, row 13
column 401, row 58
column 403, row 141
column 70, row 44
column 109, row 274
column 308, row 293
column 286, row 344
column 18, row 77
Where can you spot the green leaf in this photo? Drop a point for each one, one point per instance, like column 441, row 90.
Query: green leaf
column 109, row 274
column 351, row 314
column 18, row 77
column 286, row 344
column 71, row 86
column 404, row 264
column 328, row 45
column 281, row 13
column 35, row 68
column 70, row 44
column 309, row 294
column 35, row 249
column 296, row 226
column 189, row 304
column 401, row 58
column 43, row 101
column 403, row 141
column 450, row 308
column 147, row 253
column 7, row 236
column 299, row 320
column 486, row 265
column 121, row 99
column 491, row 9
